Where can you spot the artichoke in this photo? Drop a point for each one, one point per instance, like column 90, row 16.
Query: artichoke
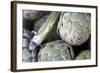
column 55, row 51
column 26, row 55
column 83, row 55
column 74, row 28
column 31, row 14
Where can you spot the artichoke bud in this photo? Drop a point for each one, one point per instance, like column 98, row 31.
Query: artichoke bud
column 56, row 51
column 83, row 55
column 74, row 28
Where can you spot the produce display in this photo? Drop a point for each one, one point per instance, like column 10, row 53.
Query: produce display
column 55, row 36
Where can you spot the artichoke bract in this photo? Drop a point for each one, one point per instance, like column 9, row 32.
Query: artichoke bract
column 55, row 51
column 40, row 22
column 74, row 28
column 83, row 55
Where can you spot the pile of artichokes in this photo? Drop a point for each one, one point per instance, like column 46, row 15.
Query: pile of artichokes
column 56, row 36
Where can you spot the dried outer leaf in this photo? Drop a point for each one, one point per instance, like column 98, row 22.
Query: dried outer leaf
column 48, row 25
